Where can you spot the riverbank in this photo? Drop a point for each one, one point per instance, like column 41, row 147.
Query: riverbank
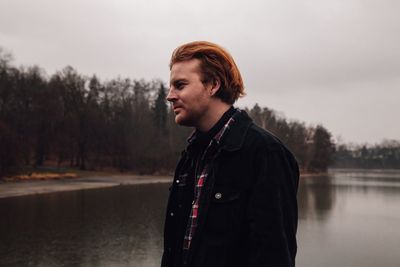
column 49, row 182
column 30, row 187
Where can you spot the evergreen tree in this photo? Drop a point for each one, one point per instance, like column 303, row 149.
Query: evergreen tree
column 322, row 149
column 160, row 110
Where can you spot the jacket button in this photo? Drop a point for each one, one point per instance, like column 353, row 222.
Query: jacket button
column 172, row 214
column 177, row 181
column 218, row 195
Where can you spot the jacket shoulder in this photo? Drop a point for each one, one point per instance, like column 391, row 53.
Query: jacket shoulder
column 259, row 137
column 266, row 143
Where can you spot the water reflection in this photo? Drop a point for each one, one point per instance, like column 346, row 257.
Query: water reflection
column 120, row 226
column 316, row 197
column 356, row 222
column 345, row 219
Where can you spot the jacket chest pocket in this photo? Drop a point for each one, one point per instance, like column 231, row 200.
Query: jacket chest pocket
column 223, row 211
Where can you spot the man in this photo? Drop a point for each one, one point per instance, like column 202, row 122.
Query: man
column 233, row 197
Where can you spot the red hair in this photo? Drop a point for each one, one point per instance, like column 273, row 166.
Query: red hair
column 216, row 64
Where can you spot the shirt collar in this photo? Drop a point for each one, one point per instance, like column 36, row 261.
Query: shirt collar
column 199, row 136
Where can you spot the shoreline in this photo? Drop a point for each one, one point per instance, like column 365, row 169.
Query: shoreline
column 94, row 180
column 18, row 188
column 33, row 187
column 23, row 187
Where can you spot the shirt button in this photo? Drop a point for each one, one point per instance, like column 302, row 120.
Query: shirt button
column 218, row 196
column 177, row 181
column 172, row 214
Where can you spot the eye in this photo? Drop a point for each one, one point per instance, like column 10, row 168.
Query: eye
column 180, row 86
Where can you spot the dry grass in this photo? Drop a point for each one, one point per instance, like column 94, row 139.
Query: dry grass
column 42, row 176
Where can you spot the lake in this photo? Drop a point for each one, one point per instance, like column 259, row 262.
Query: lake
column 346, row 218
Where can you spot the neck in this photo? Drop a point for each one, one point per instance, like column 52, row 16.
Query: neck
column 213, row 115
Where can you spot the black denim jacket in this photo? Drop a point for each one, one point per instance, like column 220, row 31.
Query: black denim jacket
column 248, row 208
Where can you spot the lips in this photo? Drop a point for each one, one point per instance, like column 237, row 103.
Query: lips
column 176, row 108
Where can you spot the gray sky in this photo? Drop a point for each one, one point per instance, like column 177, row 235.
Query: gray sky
column 335, row 62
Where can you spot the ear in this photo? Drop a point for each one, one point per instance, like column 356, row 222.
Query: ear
column 214, row 87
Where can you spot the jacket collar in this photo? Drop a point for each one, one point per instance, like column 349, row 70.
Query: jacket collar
column 234, row 138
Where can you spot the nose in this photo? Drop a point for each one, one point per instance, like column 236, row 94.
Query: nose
column 171, row 97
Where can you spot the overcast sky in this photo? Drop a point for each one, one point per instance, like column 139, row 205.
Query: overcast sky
column 334, row 62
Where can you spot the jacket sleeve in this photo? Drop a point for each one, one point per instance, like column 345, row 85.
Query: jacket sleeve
column 272, row 210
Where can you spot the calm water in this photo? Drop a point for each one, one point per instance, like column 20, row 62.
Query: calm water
column 346, row 219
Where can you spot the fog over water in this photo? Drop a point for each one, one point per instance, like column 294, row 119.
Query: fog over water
column 330, row 62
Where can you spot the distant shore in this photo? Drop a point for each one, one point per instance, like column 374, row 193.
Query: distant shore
column 39, row 183
column 16, row 188
column 47, row 182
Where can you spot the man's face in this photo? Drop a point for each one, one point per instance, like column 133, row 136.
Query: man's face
column 189, row 97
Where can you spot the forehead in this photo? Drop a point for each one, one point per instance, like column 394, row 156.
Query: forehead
column 185, row 69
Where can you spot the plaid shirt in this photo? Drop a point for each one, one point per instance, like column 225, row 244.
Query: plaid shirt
column 200, row 179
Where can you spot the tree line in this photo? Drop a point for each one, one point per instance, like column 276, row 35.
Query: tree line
column 69, row 119
column 385, row 155
column 312, row 146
